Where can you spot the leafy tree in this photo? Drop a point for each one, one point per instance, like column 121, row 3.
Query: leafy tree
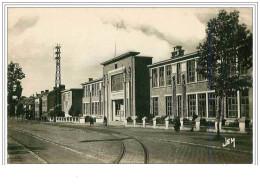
column 73, row 111
column 225, row 56
column 56, row 112
column 20, row 110
column 14, row 87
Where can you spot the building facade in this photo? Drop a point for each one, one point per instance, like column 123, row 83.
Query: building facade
column 71, row 97
column 38, row 106
column 126, row 86
column 45, row 102
column 93, row 96
column 178, row 90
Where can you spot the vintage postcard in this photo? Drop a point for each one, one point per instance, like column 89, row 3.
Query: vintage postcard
column 130, row 85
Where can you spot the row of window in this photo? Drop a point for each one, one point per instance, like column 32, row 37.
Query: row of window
column 95, row 108
column 165, row 73
column 231, row 106
column 92, row 89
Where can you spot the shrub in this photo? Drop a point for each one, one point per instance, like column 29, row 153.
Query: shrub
column 87, row 118
column 129, row 119
column 234, row 124
column 186, row 121
column 176, row 123
column 161, row 120
column 204, row 122
column 56, row 112
column 73, row 111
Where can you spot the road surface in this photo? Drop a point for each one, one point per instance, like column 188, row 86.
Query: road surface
column 31, row 142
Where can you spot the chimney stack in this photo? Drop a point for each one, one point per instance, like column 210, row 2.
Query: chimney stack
column 177, row 51
column 90, row 79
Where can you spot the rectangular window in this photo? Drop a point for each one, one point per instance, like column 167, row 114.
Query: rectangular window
column 96, row 108
column 96, row 89
column 202, row 105
column 84, row 108
column 93, row 108
column 200, row 76
column 212, row 104
column 245, row 103
column 92, row 89
column 191, row 71
column 179, row 106
column 168, row 75
column 191, row 105
column 178, row 73
column 88, row 108
column 168, row 105
column 155, row 106
column 161, row 76
column 232, row 104
column 117, row 82
column 154, row 78
column 89, row 89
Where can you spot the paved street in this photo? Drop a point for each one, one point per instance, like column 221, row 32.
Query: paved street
column 35, row 142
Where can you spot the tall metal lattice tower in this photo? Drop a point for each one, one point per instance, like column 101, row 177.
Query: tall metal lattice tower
column 58, row 73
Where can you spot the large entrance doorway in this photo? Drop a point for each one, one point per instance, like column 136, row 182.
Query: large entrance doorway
column 118, row 110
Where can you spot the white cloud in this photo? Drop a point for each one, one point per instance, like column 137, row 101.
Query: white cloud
column 87, row 41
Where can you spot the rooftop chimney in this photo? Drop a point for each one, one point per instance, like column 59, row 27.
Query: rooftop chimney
column 42, row 92
column 90, row 79
column 46, row 91
column 177, row 51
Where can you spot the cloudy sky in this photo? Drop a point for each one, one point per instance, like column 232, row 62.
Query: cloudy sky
column 88, row 36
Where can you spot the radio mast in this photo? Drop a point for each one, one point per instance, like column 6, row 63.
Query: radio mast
column 58, row 73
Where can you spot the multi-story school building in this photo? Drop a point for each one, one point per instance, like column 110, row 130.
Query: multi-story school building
column 92, row 100
column 126, row 86
column 177, row 89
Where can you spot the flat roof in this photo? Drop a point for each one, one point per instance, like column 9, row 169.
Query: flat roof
column 179, row 58
column 122, row 56
column 93, row 81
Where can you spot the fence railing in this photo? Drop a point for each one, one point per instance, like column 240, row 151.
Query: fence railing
column 199, row 124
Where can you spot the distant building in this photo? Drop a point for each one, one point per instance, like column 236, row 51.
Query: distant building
column 177, row 89
column 37, row 106
column 30, row 108
column 40, row 102
column 93, row 97
column 45, row 102
column 54, row 97
column 71, row 97
column 126, row 86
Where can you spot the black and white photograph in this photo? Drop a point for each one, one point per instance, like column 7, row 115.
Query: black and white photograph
column 129, row 84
